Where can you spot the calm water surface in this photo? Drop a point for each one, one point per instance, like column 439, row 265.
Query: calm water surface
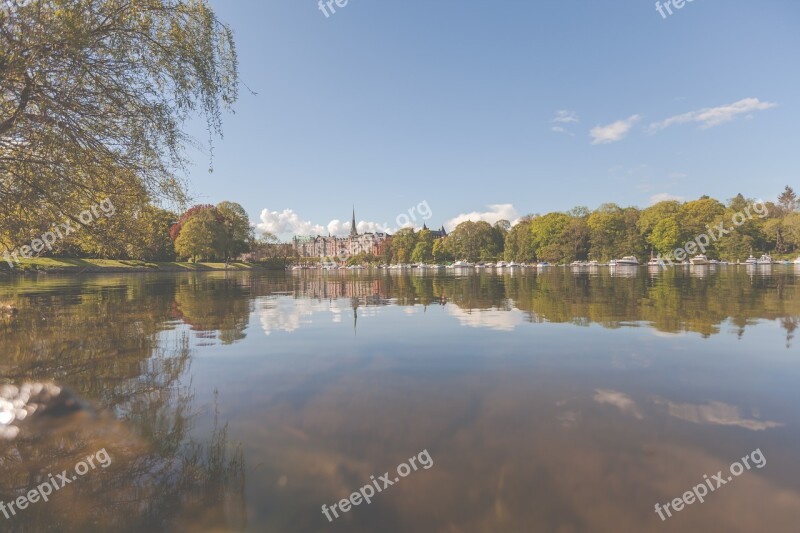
column 554, row 401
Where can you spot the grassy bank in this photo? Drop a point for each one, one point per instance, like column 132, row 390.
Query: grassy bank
column 64, row 265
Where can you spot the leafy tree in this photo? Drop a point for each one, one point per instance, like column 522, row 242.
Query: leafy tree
column 202, row 237
column 239, row 232
column 788, row 201
column 93, row 99
column 607, row 229
column 440, row 252
column 518, row 242
column 665, row 236
column 152, row 241
column 423, row 253
column 403, row 244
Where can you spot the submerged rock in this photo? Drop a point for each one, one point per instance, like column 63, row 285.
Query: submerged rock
column 31, row 401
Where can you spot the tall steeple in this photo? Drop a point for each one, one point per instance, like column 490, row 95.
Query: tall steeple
column 353, row 231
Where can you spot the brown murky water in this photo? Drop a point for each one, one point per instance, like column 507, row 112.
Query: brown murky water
column 552, row 401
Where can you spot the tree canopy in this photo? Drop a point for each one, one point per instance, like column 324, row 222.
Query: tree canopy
column 94, row 95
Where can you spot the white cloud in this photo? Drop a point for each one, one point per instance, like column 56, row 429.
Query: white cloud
column 564, row 116
column 496, row 212
column 663, row 197
column 287, row 223
column 613, row 132
column 714, row 116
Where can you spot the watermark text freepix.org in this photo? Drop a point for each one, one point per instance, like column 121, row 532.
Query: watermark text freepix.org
column 700, row 491
column 44, row 490
column 702, row 241
column 669, row 4
column 328, row 5
column 60, row 231
column 383, row 482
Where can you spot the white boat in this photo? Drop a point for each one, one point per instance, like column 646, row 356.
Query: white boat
column 713, row 262
column 751, row 260
column 655, row 262
column 593, row 263
column 298, row 267
column 512, row 264
column 578, row 264
column 797, row 261
column 543, row 264
column 628, row 260
column 501, row 264
column 765, row 259
column 700, row 260
column 462, row 264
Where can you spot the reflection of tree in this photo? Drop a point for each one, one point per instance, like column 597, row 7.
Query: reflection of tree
column 157, row 478
column 105, row 341
column 209, row 303
column 672, row 301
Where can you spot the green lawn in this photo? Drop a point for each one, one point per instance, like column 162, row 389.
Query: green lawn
column 112, row 265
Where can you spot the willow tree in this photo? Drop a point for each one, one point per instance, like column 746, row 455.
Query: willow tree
column 94, row 97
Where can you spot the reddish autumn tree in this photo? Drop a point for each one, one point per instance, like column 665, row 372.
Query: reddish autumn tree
column 175, row 230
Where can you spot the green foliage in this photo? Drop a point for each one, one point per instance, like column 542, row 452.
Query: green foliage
column 93, row 99
column 475, row 241
column 203, row 237
column 239, row 234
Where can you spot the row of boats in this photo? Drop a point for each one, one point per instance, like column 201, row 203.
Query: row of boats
column 703, row 260
column 627, row 261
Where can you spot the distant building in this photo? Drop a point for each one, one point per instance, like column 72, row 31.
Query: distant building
column 436, row 233
column 342, row 247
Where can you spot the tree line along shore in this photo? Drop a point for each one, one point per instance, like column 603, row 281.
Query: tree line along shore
column 209, row 237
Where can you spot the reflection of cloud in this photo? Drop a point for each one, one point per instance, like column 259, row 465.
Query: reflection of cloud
column 716, row 413
column 288, row 314
column 619, row 400
column 487, row 318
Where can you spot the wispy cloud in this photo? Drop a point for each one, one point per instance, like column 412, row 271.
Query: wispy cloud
column 714, row 116
column 564, row 116
column 613, row 132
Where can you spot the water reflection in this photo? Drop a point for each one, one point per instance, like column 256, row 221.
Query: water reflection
column 551, row 400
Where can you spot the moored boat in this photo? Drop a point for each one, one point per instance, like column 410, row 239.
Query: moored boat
column 628, row 260
column 700, row 260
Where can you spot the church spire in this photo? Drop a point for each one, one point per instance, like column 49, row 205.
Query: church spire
column 353, row 231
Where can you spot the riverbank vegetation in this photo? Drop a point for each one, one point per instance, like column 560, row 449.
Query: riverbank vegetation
column 611, row 231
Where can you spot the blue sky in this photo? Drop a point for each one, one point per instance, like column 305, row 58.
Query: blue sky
column 526, row 106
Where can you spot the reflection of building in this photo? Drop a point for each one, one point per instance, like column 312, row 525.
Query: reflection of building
column 341, row 247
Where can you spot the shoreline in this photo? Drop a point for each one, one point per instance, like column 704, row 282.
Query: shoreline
column 111, row 266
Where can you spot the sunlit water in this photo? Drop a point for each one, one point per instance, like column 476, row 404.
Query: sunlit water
column 548, row 401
